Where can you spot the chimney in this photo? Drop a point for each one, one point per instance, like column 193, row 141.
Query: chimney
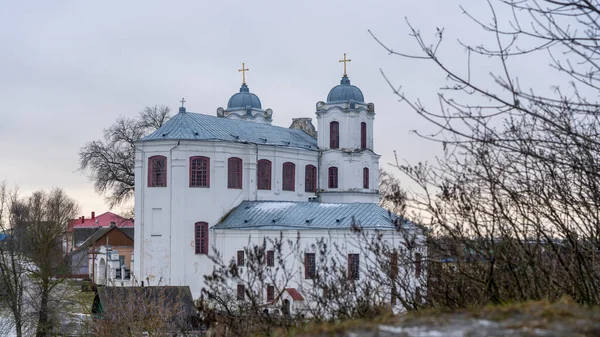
column 82, row 219
column 93, row 215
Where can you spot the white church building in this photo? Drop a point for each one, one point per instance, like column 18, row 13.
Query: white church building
column 232, row 179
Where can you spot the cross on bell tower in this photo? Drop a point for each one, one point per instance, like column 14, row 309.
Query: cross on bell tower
column 243, row 71
column 345, row 61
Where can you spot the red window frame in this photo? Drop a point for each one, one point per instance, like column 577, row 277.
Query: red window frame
column 418, row 258
column 310, row 265
column 270, row 258
column 353, row 266
column 263, row 180
column 234, row 173
column 363, row 135
column 310, row 178
column 199, row 171
column 334, row 135
column 333, row 177
column 393, row 265
column 289, row 177
column 240, row 258
column 366, row 177
column 241, row 292
column 157, row 171
column 270, row 293
column 201, row 237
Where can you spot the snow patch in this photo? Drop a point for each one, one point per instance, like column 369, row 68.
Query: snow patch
column 274, row 206
column 330, row 205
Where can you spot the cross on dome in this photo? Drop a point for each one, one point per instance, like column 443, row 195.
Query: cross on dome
column 182, row 101
column 243, row 71
column 345, row 61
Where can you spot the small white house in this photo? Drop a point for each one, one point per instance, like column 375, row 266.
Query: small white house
column 230, row 180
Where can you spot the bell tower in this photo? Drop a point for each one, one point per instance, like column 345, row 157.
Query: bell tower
column 349, row 167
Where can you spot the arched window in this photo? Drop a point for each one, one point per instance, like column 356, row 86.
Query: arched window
column 334, row 135
column 310, row 178
column 263, row 181
column 199, row 172
column 289, row 176
column 201, row 237
column 366, row 177
column 333, row 177
column 234, row 173
column 157, row 171
column 363, row 135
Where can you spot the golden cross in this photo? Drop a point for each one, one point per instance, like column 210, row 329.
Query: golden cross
column 344, row 60
column 244, row 70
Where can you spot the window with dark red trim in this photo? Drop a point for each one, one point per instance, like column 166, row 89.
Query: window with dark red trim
column 157, row 171
column 240, row 258
column 201, row 237
column 353, row 266
column 199, row 172
column 418, row 258
column 310, row 178
column 366, row 177
column 310, row 265
column 334, row 135
column 333, row 177
column 393, row 265
column 270, row 258
column 241, row 292
column 234, row 172
column 270, row 293
column 289, row 177
column 363, row 135
column 263, row 181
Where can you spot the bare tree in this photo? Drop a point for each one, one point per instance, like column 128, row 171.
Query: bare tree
column 12, row 271
column 391, row 195
column 111, row 160
column 515, row 201
column 236, row 295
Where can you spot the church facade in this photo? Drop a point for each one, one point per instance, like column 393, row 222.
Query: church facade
column 228, row 180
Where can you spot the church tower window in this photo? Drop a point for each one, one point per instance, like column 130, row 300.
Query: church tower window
column 201, row 236
column 366, row 177
column 310, row 178
column 199, row 172
column 333, row 177
column 234, row 173
column 157, row 171
column 363, row 135
column 334, row 135
column 264, row 175
column 289, row 176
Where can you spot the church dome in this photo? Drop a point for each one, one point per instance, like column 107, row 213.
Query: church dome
column 243, row 99
column 345, row 92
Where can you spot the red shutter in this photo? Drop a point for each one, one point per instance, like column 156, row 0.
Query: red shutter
column 334, row 135
column 417, row 265
column 305, row 266
column 363, row 135
column 264, row 175
column 289, row 176
column 234, row 173
column 310, row 178
column 333, row 177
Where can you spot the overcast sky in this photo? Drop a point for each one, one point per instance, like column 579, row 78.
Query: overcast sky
column 68, row 69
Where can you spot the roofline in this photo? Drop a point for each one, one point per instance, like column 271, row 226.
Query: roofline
column 225, row 141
